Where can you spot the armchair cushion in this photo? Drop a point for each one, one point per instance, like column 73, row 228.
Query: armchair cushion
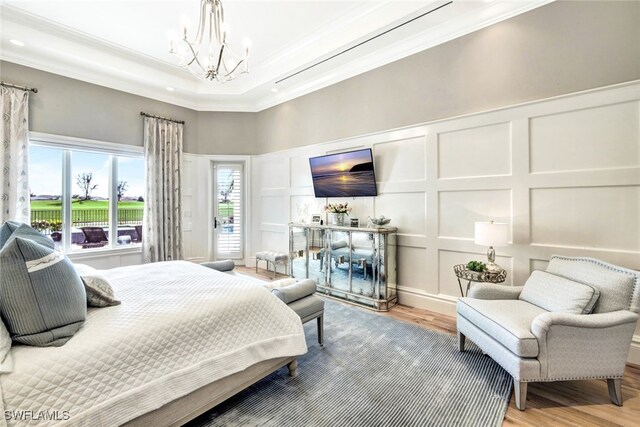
column 619, row 287
column 555, row 293
column 507, row 321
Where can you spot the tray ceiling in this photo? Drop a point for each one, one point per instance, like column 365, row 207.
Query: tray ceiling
column 124, row 44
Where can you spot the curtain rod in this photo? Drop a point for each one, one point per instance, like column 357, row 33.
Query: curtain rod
column 142, row 113
column 29, row 89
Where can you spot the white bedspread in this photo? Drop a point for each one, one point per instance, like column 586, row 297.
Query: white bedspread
column 180, row 326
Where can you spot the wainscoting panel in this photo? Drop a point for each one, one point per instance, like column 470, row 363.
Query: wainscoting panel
column 408, row 211
column 300, row 173
column 587, row 217
column 273, row 209
column 401, row 161
column 595, row 138
column 274, row 174
column 480, row 151
column 563, row 172
column 413, row 270
column 459, row 210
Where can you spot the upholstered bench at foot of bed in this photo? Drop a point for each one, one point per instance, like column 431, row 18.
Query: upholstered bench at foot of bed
column 301, row 298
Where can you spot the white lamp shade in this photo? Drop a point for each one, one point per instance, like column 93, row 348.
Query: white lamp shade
column 492, row 234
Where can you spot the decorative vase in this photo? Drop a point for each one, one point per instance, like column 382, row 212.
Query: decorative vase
column 336, row 218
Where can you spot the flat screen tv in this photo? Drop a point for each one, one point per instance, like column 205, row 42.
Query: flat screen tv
column 347, row 174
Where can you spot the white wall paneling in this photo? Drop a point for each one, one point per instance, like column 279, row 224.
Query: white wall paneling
column 587, row 217
column 458, row 210
column 475, row 152
column 564, row 172
column 587, row 139
column 108, row 259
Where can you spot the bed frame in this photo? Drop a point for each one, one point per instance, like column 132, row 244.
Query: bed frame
column 186, row 408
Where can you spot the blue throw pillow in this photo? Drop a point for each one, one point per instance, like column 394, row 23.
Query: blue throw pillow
column 42, row 298
column 12, row 229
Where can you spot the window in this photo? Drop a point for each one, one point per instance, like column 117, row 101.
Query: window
column 85, row 192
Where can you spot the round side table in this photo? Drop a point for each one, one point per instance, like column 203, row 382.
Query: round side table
column 463, row 273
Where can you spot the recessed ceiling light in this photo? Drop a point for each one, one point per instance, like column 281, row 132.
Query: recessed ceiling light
column 274, row 89
column 16, row 42
column 170, row 89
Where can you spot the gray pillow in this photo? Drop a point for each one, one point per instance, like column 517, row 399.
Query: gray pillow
column 555, row 293
column 99, row 291
column 11, row 229
column 42, row 299
column 291, row 293
column 224, row 265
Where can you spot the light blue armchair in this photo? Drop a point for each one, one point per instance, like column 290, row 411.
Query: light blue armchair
column 573, row 321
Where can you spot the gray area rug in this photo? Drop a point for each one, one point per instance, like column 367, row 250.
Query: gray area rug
column 374, row 371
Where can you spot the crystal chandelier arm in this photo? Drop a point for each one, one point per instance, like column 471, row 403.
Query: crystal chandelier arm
column 218, row 12
column 216, row 60
column 220, row 59
column 201, row 24
column 195, row 57
column 227, row 72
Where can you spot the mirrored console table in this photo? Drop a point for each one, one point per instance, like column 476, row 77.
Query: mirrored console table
column 356, row 264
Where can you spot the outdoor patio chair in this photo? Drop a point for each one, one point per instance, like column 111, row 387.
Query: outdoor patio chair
column 94, row 237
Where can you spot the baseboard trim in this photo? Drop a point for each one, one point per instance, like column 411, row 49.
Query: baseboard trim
column 418, row 298
column 445, row 304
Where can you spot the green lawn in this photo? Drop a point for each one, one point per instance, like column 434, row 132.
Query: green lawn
column 82, row 204
column 225, row 209
column 87, row 211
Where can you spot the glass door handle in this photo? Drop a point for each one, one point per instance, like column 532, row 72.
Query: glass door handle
column 215, row 222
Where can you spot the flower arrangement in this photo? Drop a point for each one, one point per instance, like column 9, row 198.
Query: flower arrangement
column 337, row 208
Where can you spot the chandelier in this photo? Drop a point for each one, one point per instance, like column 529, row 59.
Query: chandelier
column 208, row 56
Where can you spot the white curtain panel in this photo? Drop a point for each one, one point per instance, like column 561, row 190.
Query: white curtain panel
column 162, row 225
column 14, row 154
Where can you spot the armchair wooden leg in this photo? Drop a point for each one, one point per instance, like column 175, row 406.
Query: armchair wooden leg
column 461, row 341
column 615, row 390
column 293, row 368
column 520, row 393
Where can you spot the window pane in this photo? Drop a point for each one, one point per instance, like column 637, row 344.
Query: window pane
column 90, row 174
column 130, row 200
column 45, row 180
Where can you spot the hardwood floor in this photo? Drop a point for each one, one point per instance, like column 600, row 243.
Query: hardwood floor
column 563, row 403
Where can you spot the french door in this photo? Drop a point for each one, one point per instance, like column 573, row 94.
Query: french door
column 228, row 210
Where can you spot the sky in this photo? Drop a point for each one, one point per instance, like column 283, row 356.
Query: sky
column 339, row 162
column 45, row 172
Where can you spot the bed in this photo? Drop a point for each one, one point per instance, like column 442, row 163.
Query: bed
column 184, row 338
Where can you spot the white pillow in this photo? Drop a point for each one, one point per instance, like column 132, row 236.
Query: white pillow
column 6, row 361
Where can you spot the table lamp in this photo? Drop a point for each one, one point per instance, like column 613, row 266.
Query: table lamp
column 492, row 234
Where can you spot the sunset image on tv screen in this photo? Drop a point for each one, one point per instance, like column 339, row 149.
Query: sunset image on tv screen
column 344, row 174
